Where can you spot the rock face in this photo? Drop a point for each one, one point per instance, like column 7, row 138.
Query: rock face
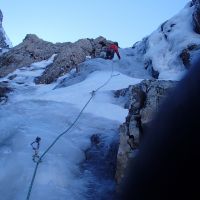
column 144, row 99
column 4, row 43
column 187, row 54
column 3, row 90
column 196, row 15
column 34, row 49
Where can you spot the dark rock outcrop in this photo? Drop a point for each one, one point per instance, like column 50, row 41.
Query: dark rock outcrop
column 31, row 50
column 185, row 57
column 4, row 89
column 148, row 65
column 187, row 54
column 34, row 49
column 196, row 15
column 143, row 103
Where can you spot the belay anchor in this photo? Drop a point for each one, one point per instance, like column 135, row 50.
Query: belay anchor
column 36, row 146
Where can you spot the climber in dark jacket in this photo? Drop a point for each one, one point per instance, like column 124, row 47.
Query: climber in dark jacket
column 168, row 164
column 111, row 50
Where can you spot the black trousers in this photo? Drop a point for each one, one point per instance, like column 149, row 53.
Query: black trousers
column 109, row 54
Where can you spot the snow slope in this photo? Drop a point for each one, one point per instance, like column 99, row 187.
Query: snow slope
column 163, row 47
column 47, row 110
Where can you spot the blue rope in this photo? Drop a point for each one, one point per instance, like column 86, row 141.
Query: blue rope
column 63, row 133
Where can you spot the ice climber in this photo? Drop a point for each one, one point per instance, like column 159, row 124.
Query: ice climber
column 111, row 50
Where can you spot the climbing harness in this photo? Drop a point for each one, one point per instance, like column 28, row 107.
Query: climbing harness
column 39, row 159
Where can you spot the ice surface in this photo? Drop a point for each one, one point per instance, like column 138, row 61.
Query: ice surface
column 46, row 111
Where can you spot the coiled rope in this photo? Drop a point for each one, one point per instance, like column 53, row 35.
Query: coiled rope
column 65, row 132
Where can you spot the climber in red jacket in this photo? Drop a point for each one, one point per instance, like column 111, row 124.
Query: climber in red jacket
column 111, row 50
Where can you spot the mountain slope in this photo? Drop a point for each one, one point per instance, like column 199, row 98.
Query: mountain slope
column 45, row 111
column 82, row 163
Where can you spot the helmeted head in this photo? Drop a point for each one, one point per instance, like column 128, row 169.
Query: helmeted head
column 116, row 43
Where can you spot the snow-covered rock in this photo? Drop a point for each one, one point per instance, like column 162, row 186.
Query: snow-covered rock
column 34, row 49
column 196, row 15
column 171, row 49
column 5, row 43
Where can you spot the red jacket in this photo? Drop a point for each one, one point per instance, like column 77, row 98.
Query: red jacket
column 115, row 49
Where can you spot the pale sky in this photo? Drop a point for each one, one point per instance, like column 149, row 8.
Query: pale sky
column 125, row 21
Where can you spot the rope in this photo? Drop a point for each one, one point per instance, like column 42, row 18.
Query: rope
column 64, row 132
column 111, row 76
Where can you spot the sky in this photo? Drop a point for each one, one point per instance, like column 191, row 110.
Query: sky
column 125, row 21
